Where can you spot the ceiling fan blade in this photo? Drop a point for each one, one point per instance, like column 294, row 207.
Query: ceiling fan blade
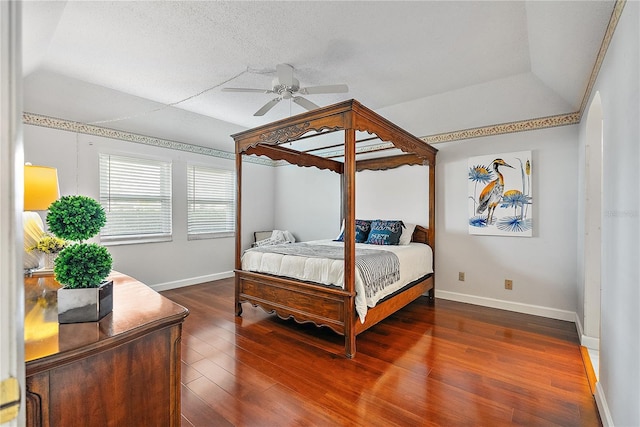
column 242, row 89
column 268, row 106
column 285, row 74
column 305, row 103
column 324, row 89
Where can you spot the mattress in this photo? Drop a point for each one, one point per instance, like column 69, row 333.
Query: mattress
column 416, row 261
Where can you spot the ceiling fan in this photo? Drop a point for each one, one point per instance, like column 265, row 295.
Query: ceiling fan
column 286, row 87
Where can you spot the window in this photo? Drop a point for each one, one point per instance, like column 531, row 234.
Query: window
column 136, row 195
column 211, row 202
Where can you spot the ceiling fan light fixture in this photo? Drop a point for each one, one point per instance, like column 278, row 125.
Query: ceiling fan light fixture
column 287, row 86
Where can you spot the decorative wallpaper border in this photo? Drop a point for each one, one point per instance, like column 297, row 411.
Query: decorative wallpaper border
column 77, row 127
column 606, row 40
column 511, row 127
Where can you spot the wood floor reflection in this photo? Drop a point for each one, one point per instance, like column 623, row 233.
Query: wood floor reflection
column 445, row 363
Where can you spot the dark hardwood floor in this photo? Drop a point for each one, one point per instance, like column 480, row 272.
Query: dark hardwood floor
column 445, row 363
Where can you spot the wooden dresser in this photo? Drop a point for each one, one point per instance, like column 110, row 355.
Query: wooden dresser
column 121, row 371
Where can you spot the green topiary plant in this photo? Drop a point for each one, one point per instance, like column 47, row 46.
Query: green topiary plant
column 83, row 265
column 76, row 217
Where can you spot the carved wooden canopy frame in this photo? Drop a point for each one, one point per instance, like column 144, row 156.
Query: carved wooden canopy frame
column 350, row 117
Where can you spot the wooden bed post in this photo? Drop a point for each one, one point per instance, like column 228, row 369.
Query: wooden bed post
column 238, row 262
column 349, row 206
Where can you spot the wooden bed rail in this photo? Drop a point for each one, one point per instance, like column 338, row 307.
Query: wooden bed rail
column 320, row 305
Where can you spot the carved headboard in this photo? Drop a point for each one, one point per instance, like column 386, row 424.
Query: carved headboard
column 422, row 235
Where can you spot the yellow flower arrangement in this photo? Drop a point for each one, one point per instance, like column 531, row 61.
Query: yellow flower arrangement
column 49, row 244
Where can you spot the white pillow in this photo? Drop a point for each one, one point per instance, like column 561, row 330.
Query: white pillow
column 288, row 236
column 277, row 237
column 283, row 236
column 407, row 233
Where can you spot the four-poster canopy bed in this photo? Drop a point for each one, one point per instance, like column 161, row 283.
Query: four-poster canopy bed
column 310, row 302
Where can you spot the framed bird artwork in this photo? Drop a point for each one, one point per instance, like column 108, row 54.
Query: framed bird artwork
column 500, row 196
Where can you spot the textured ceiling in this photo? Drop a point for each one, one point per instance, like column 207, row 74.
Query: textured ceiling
column 429, row 66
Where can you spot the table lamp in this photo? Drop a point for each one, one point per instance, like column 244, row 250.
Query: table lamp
column 40, row 190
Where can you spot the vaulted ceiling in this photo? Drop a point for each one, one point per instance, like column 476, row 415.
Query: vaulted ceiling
column 431, row 67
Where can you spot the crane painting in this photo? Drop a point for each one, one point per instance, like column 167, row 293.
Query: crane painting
column 500, row 194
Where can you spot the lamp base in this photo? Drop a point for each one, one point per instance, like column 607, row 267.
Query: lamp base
column 33, row 231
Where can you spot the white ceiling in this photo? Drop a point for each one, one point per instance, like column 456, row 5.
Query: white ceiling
column 431, row 67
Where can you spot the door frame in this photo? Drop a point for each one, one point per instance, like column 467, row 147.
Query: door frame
column 11, row 202
column 594, row 149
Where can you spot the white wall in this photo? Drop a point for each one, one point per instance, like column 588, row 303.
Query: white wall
column 308, row 199
column 400, row 193
column 167, row 264
column 542, row 267
column 307, row 202
column 258, row 203
column 618, row 392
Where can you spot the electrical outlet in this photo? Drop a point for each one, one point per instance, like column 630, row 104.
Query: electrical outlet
column 461, row 276
column 508, row 284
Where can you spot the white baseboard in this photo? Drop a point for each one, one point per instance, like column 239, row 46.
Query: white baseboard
column 579, row 328
column 537, row 310
column 191, row 281
column 592, row 343
column 603, row 408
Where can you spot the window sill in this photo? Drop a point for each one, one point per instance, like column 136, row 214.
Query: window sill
column 135, row 240
column 205, row 236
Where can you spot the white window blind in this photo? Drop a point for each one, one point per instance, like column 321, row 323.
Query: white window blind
column 211, row 202
column 136, row 195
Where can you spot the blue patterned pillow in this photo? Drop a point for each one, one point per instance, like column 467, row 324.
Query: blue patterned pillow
column 363, row 226
column 385, row 232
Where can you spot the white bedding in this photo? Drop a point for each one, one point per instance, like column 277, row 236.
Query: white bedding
column 416, row 260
